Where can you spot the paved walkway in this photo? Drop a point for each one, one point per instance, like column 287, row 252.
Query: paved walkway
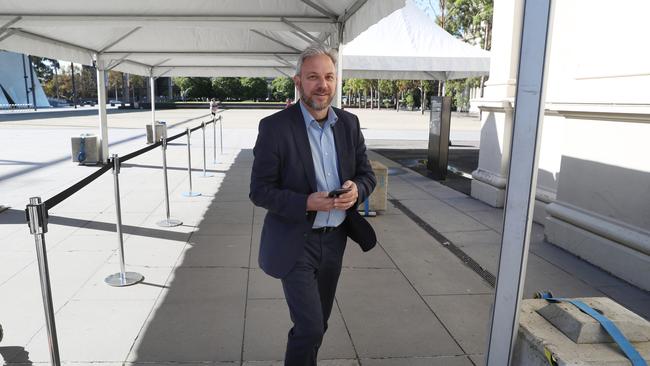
column 204, row 300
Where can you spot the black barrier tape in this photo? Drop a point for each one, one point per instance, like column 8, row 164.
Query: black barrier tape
column 76, row 187
column 58, row 198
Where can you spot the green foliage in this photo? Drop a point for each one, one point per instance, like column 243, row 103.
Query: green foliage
column 283, row 88
column 410, row 100
column 470, row 20
column 194, row 87
column 254, row 88
column 227, row 88
column 387, row 87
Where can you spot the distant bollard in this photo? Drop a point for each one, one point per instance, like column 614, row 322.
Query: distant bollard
column 37, row 221
column 205, row 172
column 190, row 193
column 221, row 132
column 167, row 222
column 122, row 278
column 214, row 140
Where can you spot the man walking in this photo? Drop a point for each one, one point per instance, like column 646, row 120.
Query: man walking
column 302, row 153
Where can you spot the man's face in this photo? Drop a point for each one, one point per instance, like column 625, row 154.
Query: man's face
column 317, row 82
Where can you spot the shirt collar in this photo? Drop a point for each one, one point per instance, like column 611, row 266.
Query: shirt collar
column 310, row 120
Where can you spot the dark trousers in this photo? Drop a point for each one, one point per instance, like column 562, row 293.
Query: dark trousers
column 309, row 290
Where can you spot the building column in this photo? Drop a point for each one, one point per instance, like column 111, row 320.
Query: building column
column 101, row 104
column 497, row 105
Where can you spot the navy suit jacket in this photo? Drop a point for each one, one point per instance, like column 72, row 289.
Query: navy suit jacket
column 283, row 176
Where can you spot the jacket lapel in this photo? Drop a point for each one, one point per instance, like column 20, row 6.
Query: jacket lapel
column 339, row 142
column 302, row 143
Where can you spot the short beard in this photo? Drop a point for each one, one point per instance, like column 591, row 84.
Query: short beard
column 312, row 104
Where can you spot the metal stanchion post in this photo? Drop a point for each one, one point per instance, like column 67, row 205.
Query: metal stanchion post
column 37, row 221
column 221, row 132
column 190, row 193
column 214, row 140
column 167, row 222
column 122, row 278
column 205, row 172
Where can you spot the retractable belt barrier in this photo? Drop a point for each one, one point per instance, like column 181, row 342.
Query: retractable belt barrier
column 36, row 214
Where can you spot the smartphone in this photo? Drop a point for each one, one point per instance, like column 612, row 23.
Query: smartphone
column 338, row 192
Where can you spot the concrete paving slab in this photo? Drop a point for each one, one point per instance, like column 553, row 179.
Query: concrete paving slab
column 149, row 289
column 224, row 229
column 149, row 252
column 466, row 204
column 442, row 217
column 467, row 317
column 542, row 275
column 266, row 317
column 94, row 330
column 478, row 360
column 414, row 361
column 379, row 307
column 405, row 191
column 222, row 251
column 263, row 286
column 492, row 218
column 14, row 262
column 356, row 258
column 320, row 362
column 191, row 331
column 199, row 317
column 575, row 266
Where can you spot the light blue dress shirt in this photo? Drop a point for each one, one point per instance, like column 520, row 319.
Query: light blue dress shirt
column 323, row 153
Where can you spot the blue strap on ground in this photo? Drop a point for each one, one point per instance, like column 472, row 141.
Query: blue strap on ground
column 618, row 337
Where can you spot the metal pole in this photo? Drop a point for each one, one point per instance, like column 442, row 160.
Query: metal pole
column 214, row 140
column 167, row 222
column 221, row 133
column 190, row 193
column 37, row 221
column 522, row 181
column 122, row 278
column 31, row 77
column 205, row 172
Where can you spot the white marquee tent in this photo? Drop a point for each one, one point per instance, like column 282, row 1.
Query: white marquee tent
column 408, row 44
column 182, row 38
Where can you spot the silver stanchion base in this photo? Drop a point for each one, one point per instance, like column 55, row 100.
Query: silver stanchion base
column 191, row 194
column 169, row 223
column 130, row 278
column 206, row 175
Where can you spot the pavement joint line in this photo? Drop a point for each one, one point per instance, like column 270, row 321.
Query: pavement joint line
column 246, row 299
column 397, row 268
column 486, row 275
column 347, row 330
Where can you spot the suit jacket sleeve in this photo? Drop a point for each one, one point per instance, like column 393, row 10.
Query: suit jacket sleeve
column 266, row 189
column 364, row 176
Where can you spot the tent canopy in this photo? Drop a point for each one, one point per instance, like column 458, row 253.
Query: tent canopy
column 185, row 38
column 408, row 44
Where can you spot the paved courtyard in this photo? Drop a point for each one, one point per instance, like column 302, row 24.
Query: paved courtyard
column 204, row 300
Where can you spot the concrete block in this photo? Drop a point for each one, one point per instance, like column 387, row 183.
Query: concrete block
column 538, row 337
column 491, row 195
column 379, row 195
column 90, row 148
column 582, row 328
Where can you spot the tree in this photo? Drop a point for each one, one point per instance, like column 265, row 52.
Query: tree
column 283, row 88
column 115, row 82
column 254, row 88
column 387, row 87
column 194, row 87
column 227, row 88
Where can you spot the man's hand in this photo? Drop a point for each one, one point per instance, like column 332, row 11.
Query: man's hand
column 347, row 200
column 318, row 201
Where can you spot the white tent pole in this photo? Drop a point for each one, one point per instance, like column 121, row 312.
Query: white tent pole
column 339, row 77
column 522, row 180
column 101, row 103
column 152, row 85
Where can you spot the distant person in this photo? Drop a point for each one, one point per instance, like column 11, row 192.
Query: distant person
column 214, row 107
column 289, row 102
column 298, row 178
